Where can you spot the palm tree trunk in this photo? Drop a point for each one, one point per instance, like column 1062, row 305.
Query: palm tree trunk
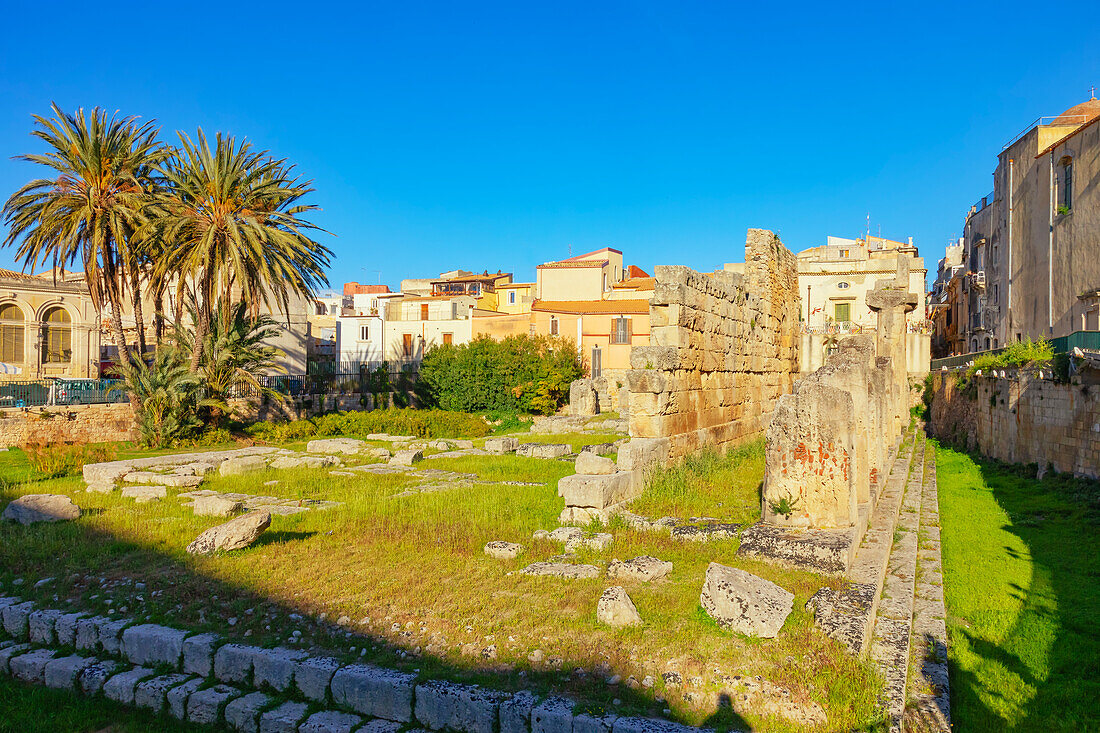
column 139, row 317
column 202, row 314
column 123, row 349
column 158, row 318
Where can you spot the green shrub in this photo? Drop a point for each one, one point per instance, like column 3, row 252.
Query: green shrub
column 214, row 436
column 421, row 423
column 520, row 373
column 1016, row 354
column 53, row 460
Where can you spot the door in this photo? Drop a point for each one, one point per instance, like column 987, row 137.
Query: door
column 597, row 366
column 448, row 339
column 843, row 312
column 407, row 344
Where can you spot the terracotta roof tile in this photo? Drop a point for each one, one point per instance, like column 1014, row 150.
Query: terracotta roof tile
column 565, row 264
column 591, row 307
column 637, row 283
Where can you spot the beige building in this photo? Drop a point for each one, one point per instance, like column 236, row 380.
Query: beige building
column 48, row 327
column 584, row 277
column 413, row 324
column 1032, row 247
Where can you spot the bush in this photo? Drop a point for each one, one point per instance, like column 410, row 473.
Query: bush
column 53, row 460
column 1016, row 354
column 520, row 373
column 421, row 423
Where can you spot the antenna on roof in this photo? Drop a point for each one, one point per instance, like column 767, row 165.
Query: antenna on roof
column 1092, row 91
column 570, row 250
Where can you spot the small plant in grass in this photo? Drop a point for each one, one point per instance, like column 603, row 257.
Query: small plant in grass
column 53, row 460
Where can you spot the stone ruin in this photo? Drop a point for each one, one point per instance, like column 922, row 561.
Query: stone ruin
column 724, row 349
column 828, row 442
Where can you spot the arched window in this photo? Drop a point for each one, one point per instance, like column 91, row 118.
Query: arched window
column 11, row 334
column 57, row 337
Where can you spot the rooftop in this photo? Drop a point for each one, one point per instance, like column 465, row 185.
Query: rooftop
column 591, row 307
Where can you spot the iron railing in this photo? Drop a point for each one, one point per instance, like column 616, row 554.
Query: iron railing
column 60, row 392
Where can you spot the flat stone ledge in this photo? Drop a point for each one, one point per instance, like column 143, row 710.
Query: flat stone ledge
column 328, row 721
column 152, row 644
column 459, row 707
column 562, row 570
column 821, row 551
column 205, row 706
column 62, row 673
column 31, row 667
column 243, row 714
column 152, row 694
column 373, row 691
column 120, row 688
column 283, row 719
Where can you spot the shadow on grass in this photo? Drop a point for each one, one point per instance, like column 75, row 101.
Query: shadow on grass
column 189, row 599
column 1046, row 666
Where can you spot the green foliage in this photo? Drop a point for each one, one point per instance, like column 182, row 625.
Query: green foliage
column 53, row 460
column 784, row 506
column 168, row 395
column 421, row 423
column 523, row 373
column 1016, row 354
column 507, row 421
column 214, row 436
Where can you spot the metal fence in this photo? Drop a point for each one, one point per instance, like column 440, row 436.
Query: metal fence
column 60, row 392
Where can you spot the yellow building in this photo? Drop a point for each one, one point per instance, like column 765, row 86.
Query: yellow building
column 515, row 298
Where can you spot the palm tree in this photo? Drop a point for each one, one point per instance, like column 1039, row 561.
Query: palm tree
column 88, row 212
column 168, row 392
column 230, row 218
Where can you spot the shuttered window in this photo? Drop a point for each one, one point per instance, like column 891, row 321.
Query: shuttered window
column 11, row 334
column 57, row 337
column 620, row 330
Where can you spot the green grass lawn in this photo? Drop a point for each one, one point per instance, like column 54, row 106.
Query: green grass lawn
column 1021, row 562
column 410, row 575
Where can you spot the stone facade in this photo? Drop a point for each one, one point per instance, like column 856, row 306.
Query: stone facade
column 75, row 424
column 1021, row 418
column 724, row 349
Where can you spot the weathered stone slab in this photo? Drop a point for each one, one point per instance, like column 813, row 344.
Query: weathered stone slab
column 515, row 712
column 32, row 508
column 344, row 446
column 31, row 667
column 593, row 465
column 406, row 457
column 205, row 706
column 710, row 532
column 109, row 632
column 65, row 628
column 644, row 569
column 177, row 697
column 379, row 693
column 820, row 551
column 587, row 723
column 742, row 602
column 105, row 474
column 378, row 725
column 651, row 725
column 198, row 654
column 152, row 694
column 96, row 675
column 62, row 673
column 616, row 609
column 242, row 465
column 553, row 715
column 584, row 400
column 596, row 491
column 598, row 542
column 120, row 687
column 457, row 707
column 501, row 445
column 233, row 535
column 501, row 550
column 16, row 619
column 328, row 721
column 176, row 480
column 845, row 615
column 216, row 506
column 8, row 652
column 144, row 494
column 40, row 626
column 275, row 668
column 150, row 644
column 550, row 450
column 243, row 714
column 313, row 676
column 562, row 570
column 233, row 662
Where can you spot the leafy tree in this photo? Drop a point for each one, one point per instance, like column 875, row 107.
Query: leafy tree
column 168, row 394
column 90, row 208
column 231, row 221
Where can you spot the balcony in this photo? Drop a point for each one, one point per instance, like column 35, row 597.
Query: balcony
column 977, row 279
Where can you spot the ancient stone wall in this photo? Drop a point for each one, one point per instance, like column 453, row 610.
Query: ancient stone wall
column 74, row 424
column 724, row 348
column 1021, row 418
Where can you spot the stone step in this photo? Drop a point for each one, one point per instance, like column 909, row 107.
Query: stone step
column 891, row 640
column 930, row 699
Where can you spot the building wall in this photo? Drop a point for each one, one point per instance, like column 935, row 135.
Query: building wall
column 724, row 349
column 35, row 298
column 570, row 283
column 523, row 298
column 1021, row 418
column 73, row 424
column 820, row 279
column 351, row 347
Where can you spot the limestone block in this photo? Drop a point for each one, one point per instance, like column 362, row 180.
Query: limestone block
column 550, row 450
column 109, row 633
column 152, row 694
column 501, row 550
column 150, row 644
column 95, row 675
column 515, row 712
column 594, row 465
column 32, row 508
column 742, row 602
column 616, row 609
column 373, row 691
column 501, row 445
column 233, row 662
column 406, row 457
column 313, row 676
column 457, row 707
column 378, row 725
column 216, row 505
column 7, row 653
column 233, row 535
column 40, row 626
column 31, row 667
column 596, row 491
column 553, row 715
column 16, row 619
column 658, row 358
column 649, row 725
column 583, row 398
column 275, row 668
column 344, row 446
column 62, row 673
column 105, row 474
column 177, row 697
column 597, row 542
column 144, row 494
column 205, row 706
column 243, row 714
column 562, row 570
column 643, row 569
column 242, row 465
column 328, row 721
column 588, row 723
column 641, row 453
column 198, row 653
column 120, row 687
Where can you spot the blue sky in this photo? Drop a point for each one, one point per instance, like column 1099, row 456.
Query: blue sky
column 486, row 136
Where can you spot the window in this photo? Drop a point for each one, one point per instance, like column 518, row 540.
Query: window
column 1067, row 185
column 996, row 294
column 620, row 330
column 57, row 337
column 605, row 281
column 843, row 286
column 423, row 311
column 11, row 334
column 844, row 253
column 364, row 333
column 597, row 363
column 842, row 312
column 448, row 339
column 511, row 297
column 553, row 326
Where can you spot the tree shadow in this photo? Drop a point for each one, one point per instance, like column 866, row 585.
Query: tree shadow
column 279, row 537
